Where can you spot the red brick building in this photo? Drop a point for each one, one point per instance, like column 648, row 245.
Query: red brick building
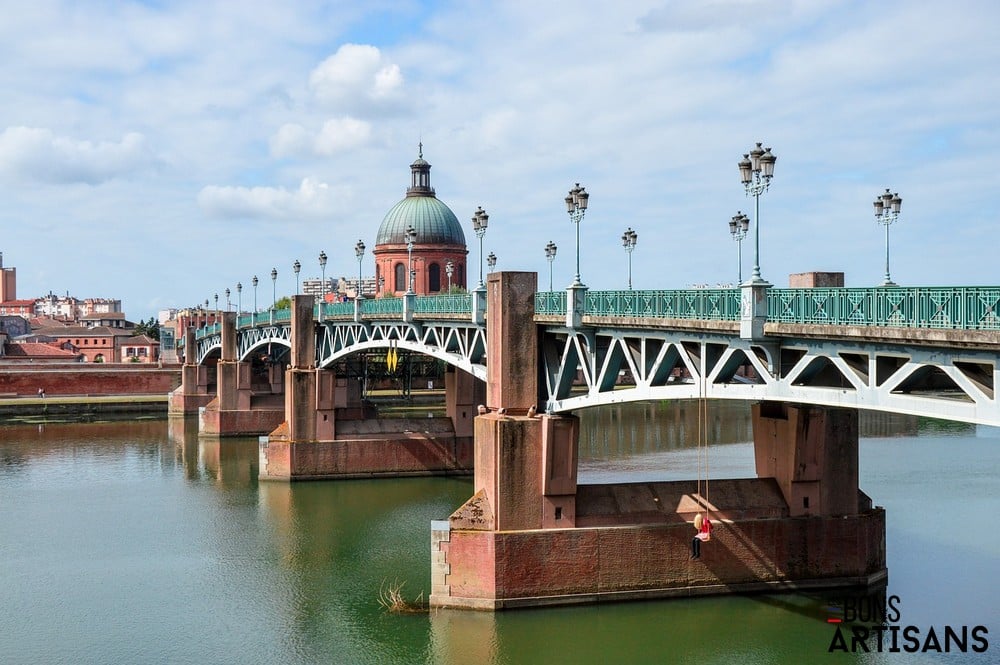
column 438, row 239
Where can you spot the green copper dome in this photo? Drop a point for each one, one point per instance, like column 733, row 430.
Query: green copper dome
column 433, row 221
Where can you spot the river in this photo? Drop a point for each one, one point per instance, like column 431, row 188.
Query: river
column 134, row 542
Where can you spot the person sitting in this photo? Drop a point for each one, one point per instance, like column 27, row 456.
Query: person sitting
column 704, row 527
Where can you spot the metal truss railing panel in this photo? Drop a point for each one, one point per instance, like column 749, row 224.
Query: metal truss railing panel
column 679, row 365
column 548, row 303
column 252, row 338
column 954, row 308
column 454, row 303
column 382, row 307
column 703, row 304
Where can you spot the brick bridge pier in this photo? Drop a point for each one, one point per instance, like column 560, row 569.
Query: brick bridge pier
column 530, row 535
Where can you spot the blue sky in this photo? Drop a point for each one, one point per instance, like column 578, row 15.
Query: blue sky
column 162, row 152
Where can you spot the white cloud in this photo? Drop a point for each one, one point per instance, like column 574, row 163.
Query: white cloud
column 336, row 136
column 340, row 134
column 312, row 199
column 356, row 76
column 38, row 155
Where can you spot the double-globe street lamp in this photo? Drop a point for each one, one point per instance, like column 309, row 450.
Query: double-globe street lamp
column 359, row 251
column 228, row 301
column 576, row 206
column 254, row 281
column 738, row 227
column 480, row 220
column 239, row 298
column 322, row 268
column 629, row 238
column 491, row 261
column 887, row 208
column 296, row 267
column 550, row 256
column 274, row 288
column 756, row 171
column 411, row 237
column 449, row 269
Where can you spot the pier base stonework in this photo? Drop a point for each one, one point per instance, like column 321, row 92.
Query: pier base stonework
column 531, row 536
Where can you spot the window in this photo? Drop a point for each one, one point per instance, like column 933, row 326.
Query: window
column 400, row 282
column 434, row 278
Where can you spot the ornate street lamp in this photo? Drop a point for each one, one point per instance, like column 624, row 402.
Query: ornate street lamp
column 216, row 305
column 887, row 208
column 322, row 267
column 274, row 288
column 381, row 284
column 629, row 239
column 491, row 261
column 227, row 299
column 756, row 171
column 239, row 298
column 411, row 237
column 254, row 282
column 296, row 267
column 738, row 227
column 359, row 251
column 550, row 256
column 449, row 269
column 576, row 206
column 480, row 220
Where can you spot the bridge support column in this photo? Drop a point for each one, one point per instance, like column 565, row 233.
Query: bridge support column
column 812, row 453
column 193, row 393
column 231, row 412
column 531, row 535
column 463, row 394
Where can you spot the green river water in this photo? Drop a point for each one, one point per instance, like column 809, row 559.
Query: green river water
column 134, row 542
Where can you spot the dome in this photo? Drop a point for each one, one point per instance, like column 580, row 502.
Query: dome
column 433, row 221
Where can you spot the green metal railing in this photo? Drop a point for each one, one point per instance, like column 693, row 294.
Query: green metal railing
column 954, row 308
column 550, row 303
column 455, row 303
column 705, row 304
column 382, row 307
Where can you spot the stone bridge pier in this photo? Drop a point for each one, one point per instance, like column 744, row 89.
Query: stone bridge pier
column 235, row 410
column 530, row 535
column 195, row 389
column 328, row 432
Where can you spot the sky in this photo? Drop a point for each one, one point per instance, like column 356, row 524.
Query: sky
column 161, row 152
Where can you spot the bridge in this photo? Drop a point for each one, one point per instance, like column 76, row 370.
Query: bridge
column 928, row 351
column 530, row 534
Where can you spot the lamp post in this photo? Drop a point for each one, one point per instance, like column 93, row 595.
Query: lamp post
column 756, row 171
column 629, row 239
column 274, row 288
column 576, row 206
column 480, row 220
column 216, row 305
column 411, row 237
column 886, row 212
column 227, row 299
column 296, row 267
column 254, row 282
column 239, row 298
column 550, row 256
column 381, row 284
column 449, row 269
column 738, row 227
column 359, row 251
column 491, row 261
column 322, row 267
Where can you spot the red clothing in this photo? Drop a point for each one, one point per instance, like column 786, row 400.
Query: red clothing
column 706, row 530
